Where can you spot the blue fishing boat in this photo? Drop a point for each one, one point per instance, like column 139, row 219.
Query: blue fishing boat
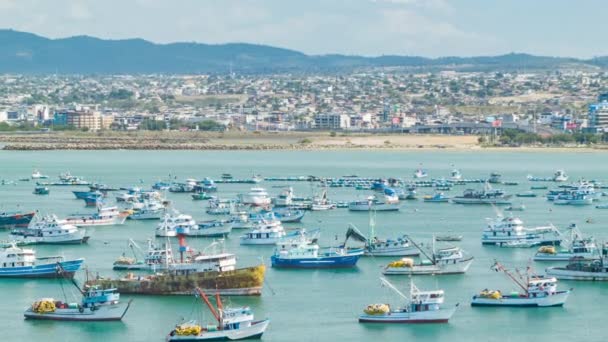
column 93, row 200
column 41, row 190
column 303, row 253
column 437, row 198
column 15, row 219
column 289, row 216
column 17, row 262
column 84, row 194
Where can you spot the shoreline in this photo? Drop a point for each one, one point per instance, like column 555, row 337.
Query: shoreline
column 263, row 141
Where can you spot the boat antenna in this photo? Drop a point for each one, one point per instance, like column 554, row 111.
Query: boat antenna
column 211, row 308
column 392, row 287
column 421, row 249
column 62, row 272
column 499, row 267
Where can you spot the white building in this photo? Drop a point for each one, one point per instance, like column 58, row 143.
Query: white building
column 332, row 121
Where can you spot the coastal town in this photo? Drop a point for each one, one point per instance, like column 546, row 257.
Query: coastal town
column 373, row 101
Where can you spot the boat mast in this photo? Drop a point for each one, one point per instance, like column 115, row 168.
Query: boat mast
column 220, row 309
column 209, row 305
column 61, row 271
column 422, row 250
column 392, row 287
column 372, row 224
column 499, row 267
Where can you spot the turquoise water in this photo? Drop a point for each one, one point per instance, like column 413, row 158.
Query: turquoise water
column 314, row 305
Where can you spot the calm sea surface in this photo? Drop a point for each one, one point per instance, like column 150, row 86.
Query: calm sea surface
column 314, row 305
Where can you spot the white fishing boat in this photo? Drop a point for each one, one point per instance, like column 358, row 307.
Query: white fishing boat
column 37, row 175
column 560, row 176
column 487, row 196
column 577, row 247
column 232, row 324
column 322, row 203
column 373, row 203
column 455, row 175
column 374, row 246
column 159, row 258
column 49, row 230
column 448, row 260
column 148, row 210
column 420, row 173
column 256, row 197
column 538, row 291
column 510, row 230
column 96, row 305
column 174, row 221
column 219, row 206
column 284, row 199
column 105, row 216
column 17, row 262
column 420, row 307
column 265, row 233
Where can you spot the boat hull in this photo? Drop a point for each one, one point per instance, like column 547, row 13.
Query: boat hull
column 240, row 282
column 439, row 316
column 101, row 313
column 16, row 220
column 42, row 271
column 564, row 274
column 457, row 268
column 374, row 207
column 255, row 331
column 345, row 261
column 558, row 299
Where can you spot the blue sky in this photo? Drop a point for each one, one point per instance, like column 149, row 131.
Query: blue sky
column 431, row 28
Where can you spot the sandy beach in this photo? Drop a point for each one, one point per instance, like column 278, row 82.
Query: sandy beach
column 255, row 141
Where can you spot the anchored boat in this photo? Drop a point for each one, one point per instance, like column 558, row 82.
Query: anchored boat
column 540, row 291
column 95, row 305
column 510, row 230
column 420, row 307
column 15, row 219
column 105, row 216
column 449, row 260
column 232, row 324
column 301, row 252
column 578, row 246
column 17, row 262
column 49, row 230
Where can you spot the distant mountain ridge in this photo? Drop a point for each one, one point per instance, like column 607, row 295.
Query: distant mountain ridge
column 27, row 53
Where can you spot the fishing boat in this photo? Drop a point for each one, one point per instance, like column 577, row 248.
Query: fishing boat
column 284, row 199
column 95, row 199
column 580, row 268
column 420, row 307
column 49, row 230
column 538, row 291
column 300, row 252
column 213, row 228
column 560, row 176
column 573, row 198
column 289, row 216
column 17, row 262
column 448, row 237
column 374, row 246
column 201, row 196
column 212, row 272
column 520, row 207
column 95, row 305
column 218, row 206
column 207, row 185
column 438, row 197
column 526, row 194
column 322, row 203
column 577, row 247
column 187, row 186
column 41, row 190
column 455, row 175
column 174, row 221
column 232, row 324
column 448, row 260
column 14, row 219
column 84, row 194
column 148, row 210
column 256, row 197
column 503, row 230
column 495, row 178
column 159, row 258
column 539, row 187
column 420, row 173
column 105, row 216
column 373, row 203
column 37, row 175
column 495, row 197
column 264, row 233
